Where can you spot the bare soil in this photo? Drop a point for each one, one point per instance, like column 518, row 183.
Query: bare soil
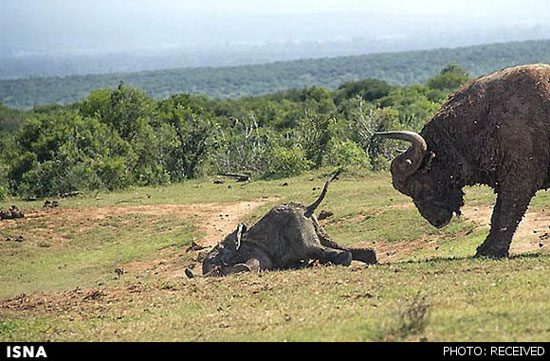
column 532, row 234
column 215, row 221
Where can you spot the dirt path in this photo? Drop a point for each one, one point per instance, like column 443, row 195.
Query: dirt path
column 532, row 234
column 218, row 220
column 214, row 221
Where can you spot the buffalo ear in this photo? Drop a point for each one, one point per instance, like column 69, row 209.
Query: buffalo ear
column 241, row 230
column 428, row 162
column 233, row 242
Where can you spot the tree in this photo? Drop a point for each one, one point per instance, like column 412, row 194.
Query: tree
column 449, row 79
column 123, row 109
column 62, row 151
column 315, row 132
column 193, row 131
column 368, row 89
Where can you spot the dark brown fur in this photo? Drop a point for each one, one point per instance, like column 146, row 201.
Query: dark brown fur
column 494, row 131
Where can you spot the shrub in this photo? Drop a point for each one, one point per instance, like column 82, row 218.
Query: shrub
column 287, row 162
column 242, row 147
column 315, row 132
column 346, row 153
column 449, row 79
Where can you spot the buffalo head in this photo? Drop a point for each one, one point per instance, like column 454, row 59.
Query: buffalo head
column 418, row 174
column 221, row 258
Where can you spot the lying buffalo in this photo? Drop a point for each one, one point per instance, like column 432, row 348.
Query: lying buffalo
column 288, row 236
column 494, row 131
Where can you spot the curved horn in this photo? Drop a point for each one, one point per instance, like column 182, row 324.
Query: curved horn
column 412, row 158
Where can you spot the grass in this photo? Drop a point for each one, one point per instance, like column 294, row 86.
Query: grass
column 58, row 284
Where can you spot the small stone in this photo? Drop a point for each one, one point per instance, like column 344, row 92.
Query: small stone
column 325, row 214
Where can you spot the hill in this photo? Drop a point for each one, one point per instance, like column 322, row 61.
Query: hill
column 403, row 68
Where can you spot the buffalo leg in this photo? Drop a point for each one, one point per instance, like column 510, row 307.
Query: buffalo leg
column 334, row 256
column 366, row 255
column 507, row 214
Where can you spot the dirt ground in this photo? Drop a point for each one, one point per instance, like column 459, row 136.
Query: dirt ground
column 532, row 234
column 216, row 219
column 214, row 222
column 533, row 231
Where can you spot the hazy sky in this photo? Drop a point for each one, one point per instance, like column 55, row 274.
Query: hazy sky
column 433, row 7
column 463, row 7
column 111, row 25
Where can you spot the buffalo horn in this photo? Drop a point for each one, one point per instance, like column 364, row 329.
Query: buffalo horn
column 411, row 159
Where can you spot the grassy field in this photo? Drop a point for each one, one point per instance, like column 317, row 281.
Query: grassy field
column 59, row 283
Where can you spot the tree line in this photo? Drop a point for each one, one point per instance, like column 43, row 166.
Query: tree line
column 400, row 68
column 119, row 137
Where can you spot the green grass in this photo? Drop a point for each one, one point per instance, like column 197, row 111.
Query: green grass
column 438, row 294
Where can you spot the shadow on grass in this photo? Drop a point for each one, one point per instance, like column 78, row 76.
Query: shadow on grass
column 528, row 255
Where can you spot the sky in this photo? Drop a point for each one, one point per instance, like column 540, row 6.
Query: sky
column 61, row 26
column 407, row 7
column 477, row 7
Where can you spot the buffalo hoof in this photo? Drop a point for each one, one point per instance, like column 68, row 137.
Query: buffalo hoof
column 343, row 259
column 491, row 252
column 366, row 255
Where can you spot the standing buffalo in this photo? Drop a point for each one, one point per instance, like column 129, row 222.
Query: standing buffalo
column 494, row 131
column 286, row 237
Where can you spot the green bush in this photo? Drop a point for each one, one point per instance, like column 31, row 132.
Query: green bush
column 449, row 79
column 287, row 162
column 346, row 153
column 120, row 137
column 315, row 132
column 113, row 173
column 243, row 147
column 368, row 89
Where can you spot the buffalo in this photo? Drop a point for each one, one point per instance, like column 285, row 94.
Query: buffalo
column 287, row 237
column 494, row 131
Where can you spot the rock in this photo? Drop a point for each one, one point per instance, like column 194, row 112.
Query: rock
column 119, row 272
column 194, row 247
column 16, row 239
column 50, row 204
column 70, row 194
column 325, row 214
column 12, row 213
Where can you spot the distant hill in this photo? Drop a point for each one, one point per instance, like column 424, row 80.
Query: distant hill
column 402, row 68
